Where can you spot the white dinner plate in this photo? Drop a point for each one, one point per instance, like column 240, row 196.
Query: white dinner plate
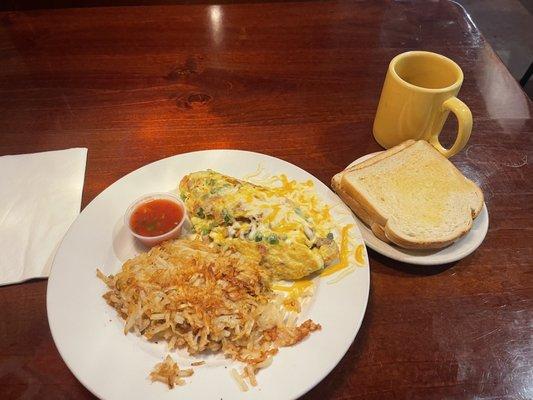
column 89, row 334
column 456, row 251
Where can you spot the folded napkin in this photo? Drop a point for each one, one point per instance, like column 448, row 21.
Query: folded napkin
column 40, row 196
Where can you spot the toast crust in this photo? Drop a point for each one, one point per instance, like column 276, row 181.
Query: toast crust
column 480, row 195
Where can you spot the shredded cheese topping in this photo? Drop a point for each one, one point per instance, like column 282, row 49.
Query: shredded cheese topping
column 343, row 258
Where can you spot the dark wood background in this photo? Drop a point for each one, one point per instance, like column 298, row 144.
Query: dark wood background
column 17, row 5
column 299, row 81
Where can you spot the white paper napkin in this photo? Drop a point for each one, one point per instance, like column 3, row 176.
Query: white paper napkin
column 40, row 196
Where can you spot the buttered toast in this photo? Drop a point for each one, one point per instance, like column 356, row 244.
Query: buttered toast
column 411, row 195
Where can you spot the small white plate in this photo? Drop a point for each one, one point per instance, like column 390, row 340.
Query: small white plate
column 456, row 251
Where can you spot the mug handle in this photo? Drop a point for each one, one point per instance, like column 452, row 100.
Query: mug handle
column 464, row 121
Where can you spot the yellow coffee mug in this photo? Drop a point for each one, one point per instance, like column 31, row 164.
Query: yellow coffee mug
column 419, row 92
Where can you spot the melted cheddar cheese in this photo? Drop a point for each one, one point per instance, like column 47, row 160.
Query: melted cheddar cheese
column 344, row 253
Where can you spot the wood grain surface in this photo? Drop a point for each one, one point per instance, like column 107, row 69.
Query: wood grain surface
column 299, row 81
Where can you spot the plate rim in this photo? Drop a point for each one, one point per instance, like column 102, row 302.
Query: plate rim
column 422, row 259
column 90, row 205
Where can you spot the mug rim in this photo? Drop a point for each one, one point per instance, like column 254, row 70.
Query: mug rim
column 457, row 84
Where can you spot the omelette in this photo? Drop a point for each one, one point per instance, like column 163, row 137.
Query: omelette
column 259, row 222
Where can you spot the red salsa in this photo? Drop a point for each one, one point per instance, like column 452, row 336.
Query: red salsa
column 155, row 217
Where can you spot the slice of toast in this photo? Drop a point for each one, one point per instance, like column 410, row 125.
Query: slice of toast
column 411, row 195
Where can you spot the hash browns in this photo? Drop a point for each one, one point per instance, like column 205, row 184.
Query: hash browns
column 201, row 297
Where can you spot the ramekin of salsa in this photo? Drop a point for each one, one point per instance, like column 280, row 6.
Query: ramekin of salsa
column 155, row 218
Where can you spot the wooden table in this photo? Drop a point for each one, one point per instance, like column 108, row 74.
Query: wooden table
column 299, row 81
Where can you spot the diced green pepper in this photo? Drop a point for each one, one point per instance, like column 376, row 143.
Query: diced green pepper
column 273, row 239
column 228, row 219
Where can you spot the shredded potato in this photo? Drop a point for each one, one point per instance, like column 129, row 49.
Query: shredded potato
column 202, row 298
column 169, row 372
